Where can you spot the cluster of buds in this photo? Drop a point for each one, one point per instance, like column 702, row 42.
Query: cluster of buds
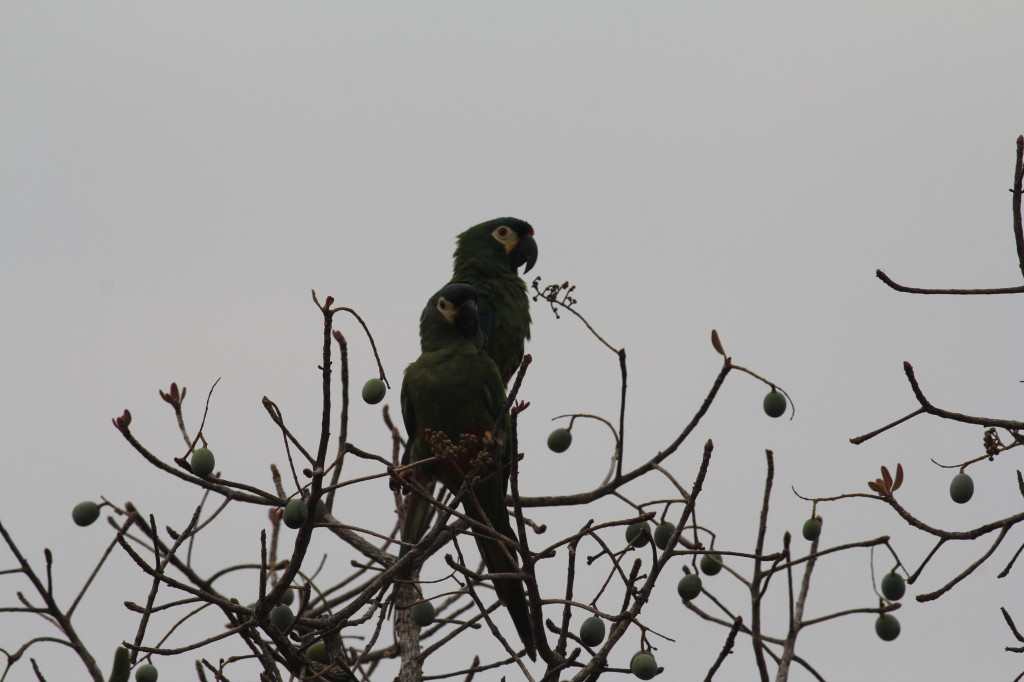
column 993, row 446
column 555, row 294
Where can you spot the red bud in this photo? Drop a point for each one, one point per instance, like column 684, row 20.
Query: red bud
column 173, row 396
column 121, row 423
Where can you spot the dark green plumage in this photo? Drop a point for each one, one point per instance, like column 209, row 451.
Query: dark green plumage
column 487, row 257
column 452, row 397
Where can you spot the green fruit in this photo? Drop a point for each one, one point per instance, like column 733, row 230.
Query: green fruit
column 812, row 529
column 689, row 586
column 295, row 513
column 775, row 404
column 961, row 488
column 638, row 534
column 202, row 462
column 122, row 669
column 893, row 586
column 288, row 597
column 663, row 533
column 559, row 440
column 423, row 613
column 643, row 665
column 711, row 564
column 321, row 511
column 373, row 391
column 281, row 616
column 85, row 513
column 318, row 652
column 592, row 631
column 887, row 627
column 145, row 673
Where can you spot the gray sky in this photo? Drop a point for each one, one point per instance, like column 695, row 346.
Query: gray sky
column 176, row 177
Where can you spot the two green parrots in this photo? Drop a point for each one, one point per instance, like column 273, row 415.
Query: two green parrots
column 452, row 401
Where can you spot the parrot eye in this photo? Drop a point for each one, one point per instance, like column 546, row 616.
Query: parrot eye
column 504, row 234
column 443, row 304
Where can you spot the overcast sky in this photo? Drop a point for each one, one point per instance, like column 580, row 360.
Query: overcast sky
column 176, row 177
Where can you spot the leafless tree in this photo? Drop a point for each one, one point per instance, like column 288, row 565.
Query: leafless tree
column 363, row 623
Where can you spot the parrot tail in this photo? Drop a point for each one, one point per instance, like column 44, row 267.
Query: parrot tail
column 510, row 590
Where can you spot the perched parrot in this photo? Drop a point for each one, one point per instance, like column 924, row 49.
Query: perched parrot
column 487, row 257
column 452, row 398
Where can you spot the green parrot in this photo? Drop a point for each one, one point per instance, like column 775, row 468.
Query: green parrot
column 487, row 257
column 452, row 398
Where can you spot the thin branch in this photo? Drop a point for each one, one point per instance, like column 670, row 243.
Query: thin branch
column 1011, row 624
column 54, row 611
column 730, row 640
column 1018, row 181
column 955, row 416
column 967, row 571
column 755, row 582
column 868, row 436
column 1018, row 236
column 601, row 491
column 956, row 292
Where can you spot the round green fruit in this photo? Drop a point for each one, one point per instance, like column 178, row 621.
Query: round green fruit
column 318, row 652
column 146, row 673
column 295, row 513
column 288, row 597
column 775, row 404
column 643, row 665
column 321, row 511
column 893, row 586
column 202, row 462
column 592, row 631
column 711, row 564
column 663, row 533
column 423, row 613
column 85, row 513
column 373, row 391
column 887, row 627
column 638, row 534
column 689, row 586
column 961, row 488
column 559, row 440
column 281, row 616
column 812, row 529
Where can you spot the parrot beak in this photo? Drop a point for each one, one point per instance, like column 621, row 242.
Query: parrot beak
column 524, row 252
column 467, row 321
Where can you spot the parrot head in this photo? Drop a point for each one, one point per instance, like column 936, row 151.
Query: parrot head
column 455, row 305
column 506, row 239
